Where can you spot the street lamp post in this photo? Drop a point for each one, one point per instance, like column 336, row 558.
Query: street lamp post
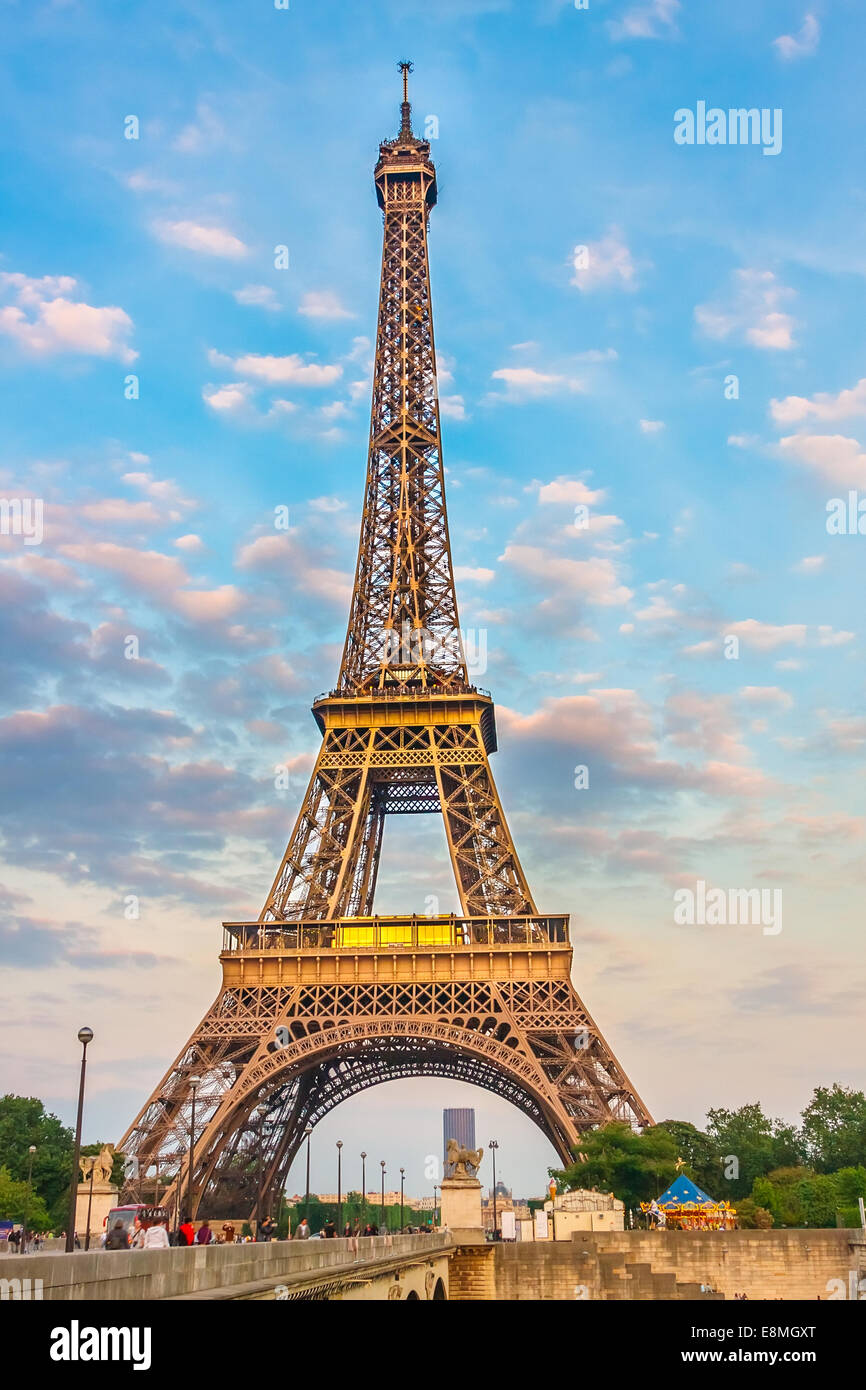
column 261, row 1131
column 31, row 1151
column 382, row 1166
column 363, row 1187
column 307, row 1132
column 493, row 1146
column 339, row 1187
column 89, row 1205
column 85, row 1035
column 402, row 1181
column 193, row 1086
column 435, row 1205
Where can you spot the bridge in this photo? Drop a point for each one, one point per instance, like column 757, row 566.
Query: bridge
column 373, row 1268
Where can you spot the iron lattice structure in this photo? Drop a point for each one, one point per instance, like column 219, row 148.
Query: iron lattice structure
column 320, row 999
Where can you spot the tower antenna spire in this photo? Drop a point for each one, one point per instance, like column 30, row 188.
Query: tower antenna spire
column 406, row 109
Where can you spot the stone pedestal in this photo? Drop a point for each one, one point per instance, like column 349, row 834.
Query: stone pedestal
column 104, row 1198
column 461, row 1208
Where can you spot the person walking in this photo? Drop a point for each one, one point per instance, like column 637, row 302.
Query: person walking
column 303, row 1231
column 186, row 1232
column 156, row 1237
column 204, row 1234
column 117, row 1238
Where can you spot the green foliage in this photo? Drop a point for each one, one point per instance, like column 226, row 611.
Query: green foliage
column 14, row 1205
column 699, row 1152
column 850, row 1184
column 834, row 1128
column 818, row 1200
column 757, row 1142
column 24, row 1121
column 753, row 1217
column 797, row 1196
column 635, row 1167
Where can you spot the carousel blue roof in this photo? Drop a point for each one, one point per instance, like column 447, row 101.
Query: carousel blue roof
column 682, row 1190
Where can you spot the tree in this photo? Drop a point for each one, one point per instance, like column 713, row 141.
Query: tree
column 834, row 1128
column 15, row 1206
column 780, row 1192
column 850, row 1184
column 699, row 1152
column 752, row 1217
column 757, row 1143
column 818, row 1200
column 24, row 1121
column 635, row 1167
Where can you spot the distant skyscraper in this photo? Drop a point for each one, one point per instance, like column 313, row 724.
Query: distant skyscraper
column 459, row 1125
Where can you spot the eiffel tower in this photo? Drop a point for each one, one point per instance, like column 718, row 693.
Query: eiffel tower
column 320, row 997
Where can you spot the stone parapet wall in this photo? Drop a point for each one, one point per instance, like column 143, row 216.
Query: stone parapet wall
column 797, row 1264
column 153, row 1274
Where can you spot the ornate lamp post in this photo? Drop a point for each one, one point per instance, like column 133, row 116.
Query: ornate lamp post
column 363, row 1186
column 193, row 1086
column 31, row 1151
column 260, row 1136
column 402, row 1181
column 85, row 1035
column 307, row 1132
column 493, row 1146
column 435, row 1205
column 382, row 1166
column 339, row 1187
column 89, row 1207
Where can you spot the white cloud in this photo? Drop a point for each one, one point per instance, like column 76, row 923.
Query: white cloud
column 828, row 638
column 753, row 314
column 261, row 296
column 564, row 489
column 164, row 490
column 281, row 370
column 651, row 426
column 595, row 580
column 810, row 564
column 803, row 45
column 205, row 132
column 327, row 504
column 323, row 304
column 834, row 458
column 464, row 573
column 766, row 695
column 604, row 263
column 45, row 321
column 208, row 241
column 822, row 406
column 525, row 383
column 190, row 543
column 452, row 407
column 765, row 637
column 656, row 19
column 233, row 396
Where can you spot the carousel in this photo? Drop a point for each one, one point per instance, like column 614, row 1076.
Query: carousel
column 685, row 1207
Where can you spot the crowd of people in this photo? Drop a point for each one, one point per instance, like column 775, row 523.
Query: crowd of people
column 150, row 1231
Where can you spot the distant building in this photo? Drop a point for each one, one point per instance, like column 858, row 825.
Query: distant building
column 459, row 1125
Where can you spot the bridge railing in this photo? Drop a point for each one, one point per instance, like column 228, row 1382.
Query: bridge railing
column 178, row 1272
column 395, row 933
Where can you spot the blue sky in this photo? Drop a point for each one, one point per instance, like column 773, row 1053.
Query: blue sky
column 567, row 379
